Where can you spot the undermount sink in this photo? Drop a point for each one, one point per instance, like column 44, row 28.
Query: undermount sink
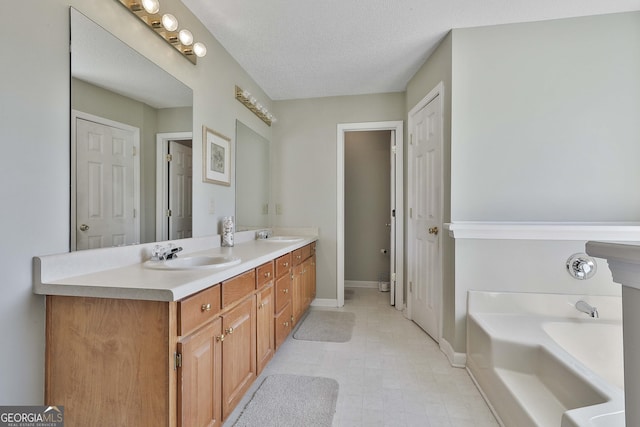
column 283, row 239
column 193, row 263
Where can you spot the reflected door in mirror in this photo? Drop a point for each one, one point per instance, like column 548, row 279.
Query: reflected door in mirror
column 105, row 185
column 180, row 179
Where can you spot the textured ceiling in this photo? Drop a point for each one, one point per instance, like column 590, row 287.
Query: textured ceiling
column 303, row 49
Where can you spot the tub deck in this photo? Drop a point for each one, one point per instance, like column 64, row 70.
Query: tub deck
column 541, row 363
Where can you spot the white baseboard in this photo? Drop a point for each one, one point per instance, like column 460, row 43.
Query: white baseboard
column 457, row 360
column 360, row 284
column 324, row 302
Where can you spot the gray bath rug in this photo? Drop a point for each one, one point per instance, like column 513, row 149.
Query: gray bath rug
column 291, row 401
column 325, row 325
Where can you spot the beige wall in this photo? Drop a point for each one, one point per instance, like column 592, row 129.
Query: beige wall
column 305, row 165
column 546, row 120
column 367, row 193
column 35, row 105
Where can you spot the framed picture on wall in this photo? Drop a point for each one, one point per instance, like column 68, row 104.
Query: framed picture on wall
column 216, row 157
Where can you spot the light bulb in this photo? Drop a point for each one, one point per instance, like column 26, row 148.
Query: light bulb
column 199, row 49
column 185, row 36
column 151, row 6
column 169, row 22
column 252, row 101
column 246, row 94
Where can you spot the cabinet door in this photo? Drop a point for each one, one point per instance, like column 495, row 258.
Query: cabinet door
column 264, row 327
column 306, row 283
column 199, row 398
column 238, row 353
column 297, row 293
column 312, row 276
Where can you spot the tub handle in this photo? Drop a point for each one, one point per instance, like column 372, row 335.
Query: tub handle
column 581, row 266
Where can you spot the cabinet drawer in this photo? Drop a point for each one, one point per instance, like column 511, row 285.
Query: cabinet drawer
column 238, row 287
column 282, row 325
column 297, row 257
column 283, row 264
column 197, row 309
column 301, row 254
column 283, row 292
column 264, row 274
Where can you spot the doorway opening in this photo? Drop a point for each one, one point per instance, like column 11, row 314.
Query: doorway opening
column 390, row 228
column 174, row 185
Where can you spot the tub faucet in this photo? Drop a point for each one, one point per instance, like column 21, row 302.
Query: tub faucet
column 586, row 308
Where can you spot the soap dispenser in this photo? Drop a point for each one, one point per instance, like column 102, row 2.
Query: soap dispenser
column 227, row 231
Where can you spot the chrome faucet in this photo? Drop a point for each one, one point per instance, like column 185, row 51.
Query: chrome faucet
column 263, row 234
column 161, row 253
column 587, row 308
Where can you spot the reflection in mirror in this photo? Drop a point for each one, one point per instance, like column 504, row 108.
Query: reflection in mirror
column 131, row 130
column 252, row 179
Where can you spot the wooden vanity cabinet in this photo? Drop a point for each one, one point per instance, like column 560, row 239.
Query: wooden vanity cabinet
column 111, row 361
column 176, row 364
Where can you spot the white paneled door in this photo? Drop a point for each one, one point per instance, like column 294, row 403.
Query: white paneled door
column 425, row 216
column 106, row 190
column 180, row 177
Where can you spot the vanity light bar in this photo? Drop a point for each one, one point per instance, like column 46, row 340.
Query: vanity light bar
column 166, row 26
column 252, row 104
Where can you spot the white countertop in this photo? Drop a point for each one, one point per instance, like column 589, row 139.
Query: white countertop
column 119, row 272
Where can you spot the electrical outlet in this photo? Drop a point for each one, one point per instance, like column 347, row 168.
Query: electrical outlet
column 278, row 209
column 212, row 206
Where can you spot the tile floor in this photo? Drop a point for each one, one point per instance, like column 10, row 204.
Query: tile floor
column 391, row 373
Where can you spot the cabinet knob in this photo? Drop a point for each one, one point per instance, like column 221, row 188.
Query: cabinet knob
column 285, row 324
column 206, row 307
column 433, row 230
column 286, row 290
column 298, row 256
column 229, row 330
column 220, row 338
column 261, row 306
column 267, row 274
column 286, row 264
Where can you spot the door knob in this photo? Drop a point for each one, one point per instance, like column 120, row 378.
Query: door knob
column 433, row 230
column 84, row 227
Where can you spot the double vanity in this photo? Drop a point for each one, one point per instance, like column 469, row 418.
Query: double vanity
column 175, row 342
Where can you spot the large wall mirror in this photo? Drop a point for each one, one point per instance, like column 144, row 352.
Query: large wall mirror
column 253, row 178
column 131, row 129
